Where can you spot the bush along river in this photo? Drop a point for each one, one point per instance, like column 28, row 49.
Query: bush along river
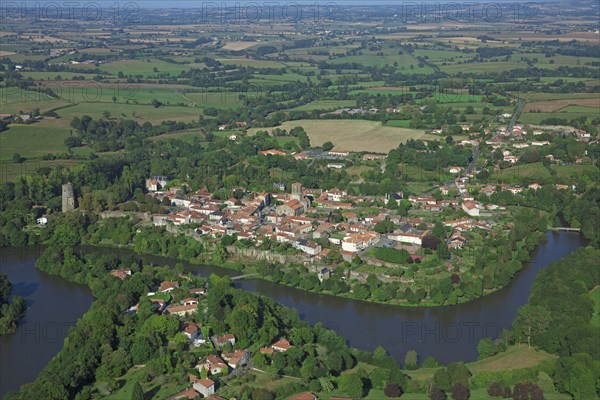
column 449, row 333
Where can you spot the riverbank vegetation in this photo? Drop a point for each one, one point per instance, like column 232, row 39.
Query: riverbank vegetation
column 145, row 347
column 567, row 328
column 12, row 310
column 108, row 341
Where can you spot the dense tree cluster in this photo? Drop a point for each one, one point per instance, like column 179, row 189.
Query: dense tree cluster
column 566, row 327
column 11, row 310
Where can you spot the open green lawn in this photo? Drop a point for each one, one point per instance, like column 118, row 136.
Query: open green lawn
column 10, row 171
column 537, row 118
column 138, row 112
column 157, row 389
column 516, row 357
column 476, row 67
column 538, row 171
column 34, row 140
column 221, row 100
column 160, row 296
column 398, row 123
column 591, row 111
column 416, row 173
column 51, row 76
column 92, row 92
column 325, row 105
column 540, row 96
column 246, row 62
column 144, row 67
column 14, row 100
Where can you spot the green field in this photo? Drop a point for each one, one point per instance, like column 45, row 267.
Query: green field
column 14, row 100
column 142, row 113
column 325, row 105
column 158, row 388
column 537, row 171
column 398, row 123
column 482, row 67
column 145, row 67
column 34, row 140
column 537, row 118
column 592, row 111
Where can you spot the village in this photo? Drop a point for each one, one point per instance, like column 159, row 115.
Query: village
column 220, row 358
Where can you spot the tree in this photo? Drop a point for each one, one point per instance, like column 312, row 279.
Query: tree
column 486, row 348
column 379, row 377
column 441, row 379
column 327, row 146
column 309, row 368
column 393, row 390
column 497, row 390
column 431, row 242
column 430, row 362
column 17, row 158
column 380, row 353
column 530, row 321
column 528, row 391
column 351, row 384
column 410, row 361
column 137, row 393
column 385, row 226
column 436, row 393
column 459, row 373
column 460, row 392
column 577, row 375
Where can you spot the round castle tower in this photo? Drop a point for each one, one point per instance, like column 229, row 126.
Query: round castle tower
column 68, row 197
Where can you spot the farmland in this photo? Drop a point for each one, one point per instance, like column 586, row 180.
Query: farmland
column 356, row 135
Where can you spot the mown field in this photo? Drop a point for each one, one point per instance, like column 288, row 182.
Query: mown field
column 537, row 171
column 355, row 135
column 34, row 140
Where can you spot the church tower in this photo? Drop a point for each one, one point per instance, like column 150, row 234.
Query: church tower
column 296, row 191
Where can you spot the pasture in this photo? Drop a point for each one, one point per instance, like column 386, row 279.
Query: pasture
column 34, row 140
column 355, row 135
column 556, row 105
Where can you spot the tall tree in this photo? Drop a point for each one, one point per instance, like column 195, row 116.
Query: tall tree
column 137, row 393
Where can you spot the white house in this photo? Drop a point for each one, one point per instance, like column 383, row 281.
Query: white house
column 43, row 220
column 237, row 359
column 213, row 365
column 156, row 183
column 205, row 387
column 470, row 207
column 338, row 153
column 182, row 311
column 412, row 236
column 356, row 242
column 310, row 248
column 192, row 330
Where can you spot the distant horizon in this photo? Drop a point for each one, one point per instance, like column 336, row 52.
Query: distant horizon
column 162, row 4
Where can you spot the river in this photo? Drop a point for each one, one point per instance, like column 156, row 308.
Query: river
column 446, row 333
column 54, row 305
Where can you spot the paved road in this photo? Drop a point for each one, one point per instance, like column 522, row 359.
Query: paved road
column 516, row 115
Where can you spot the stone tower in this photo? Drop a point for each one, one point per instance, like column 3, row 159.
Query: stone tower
column 296, row 191
column 68, row 197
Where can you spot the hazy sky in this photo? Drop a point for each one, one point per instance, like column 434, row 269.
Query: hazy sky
column 200, row 3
